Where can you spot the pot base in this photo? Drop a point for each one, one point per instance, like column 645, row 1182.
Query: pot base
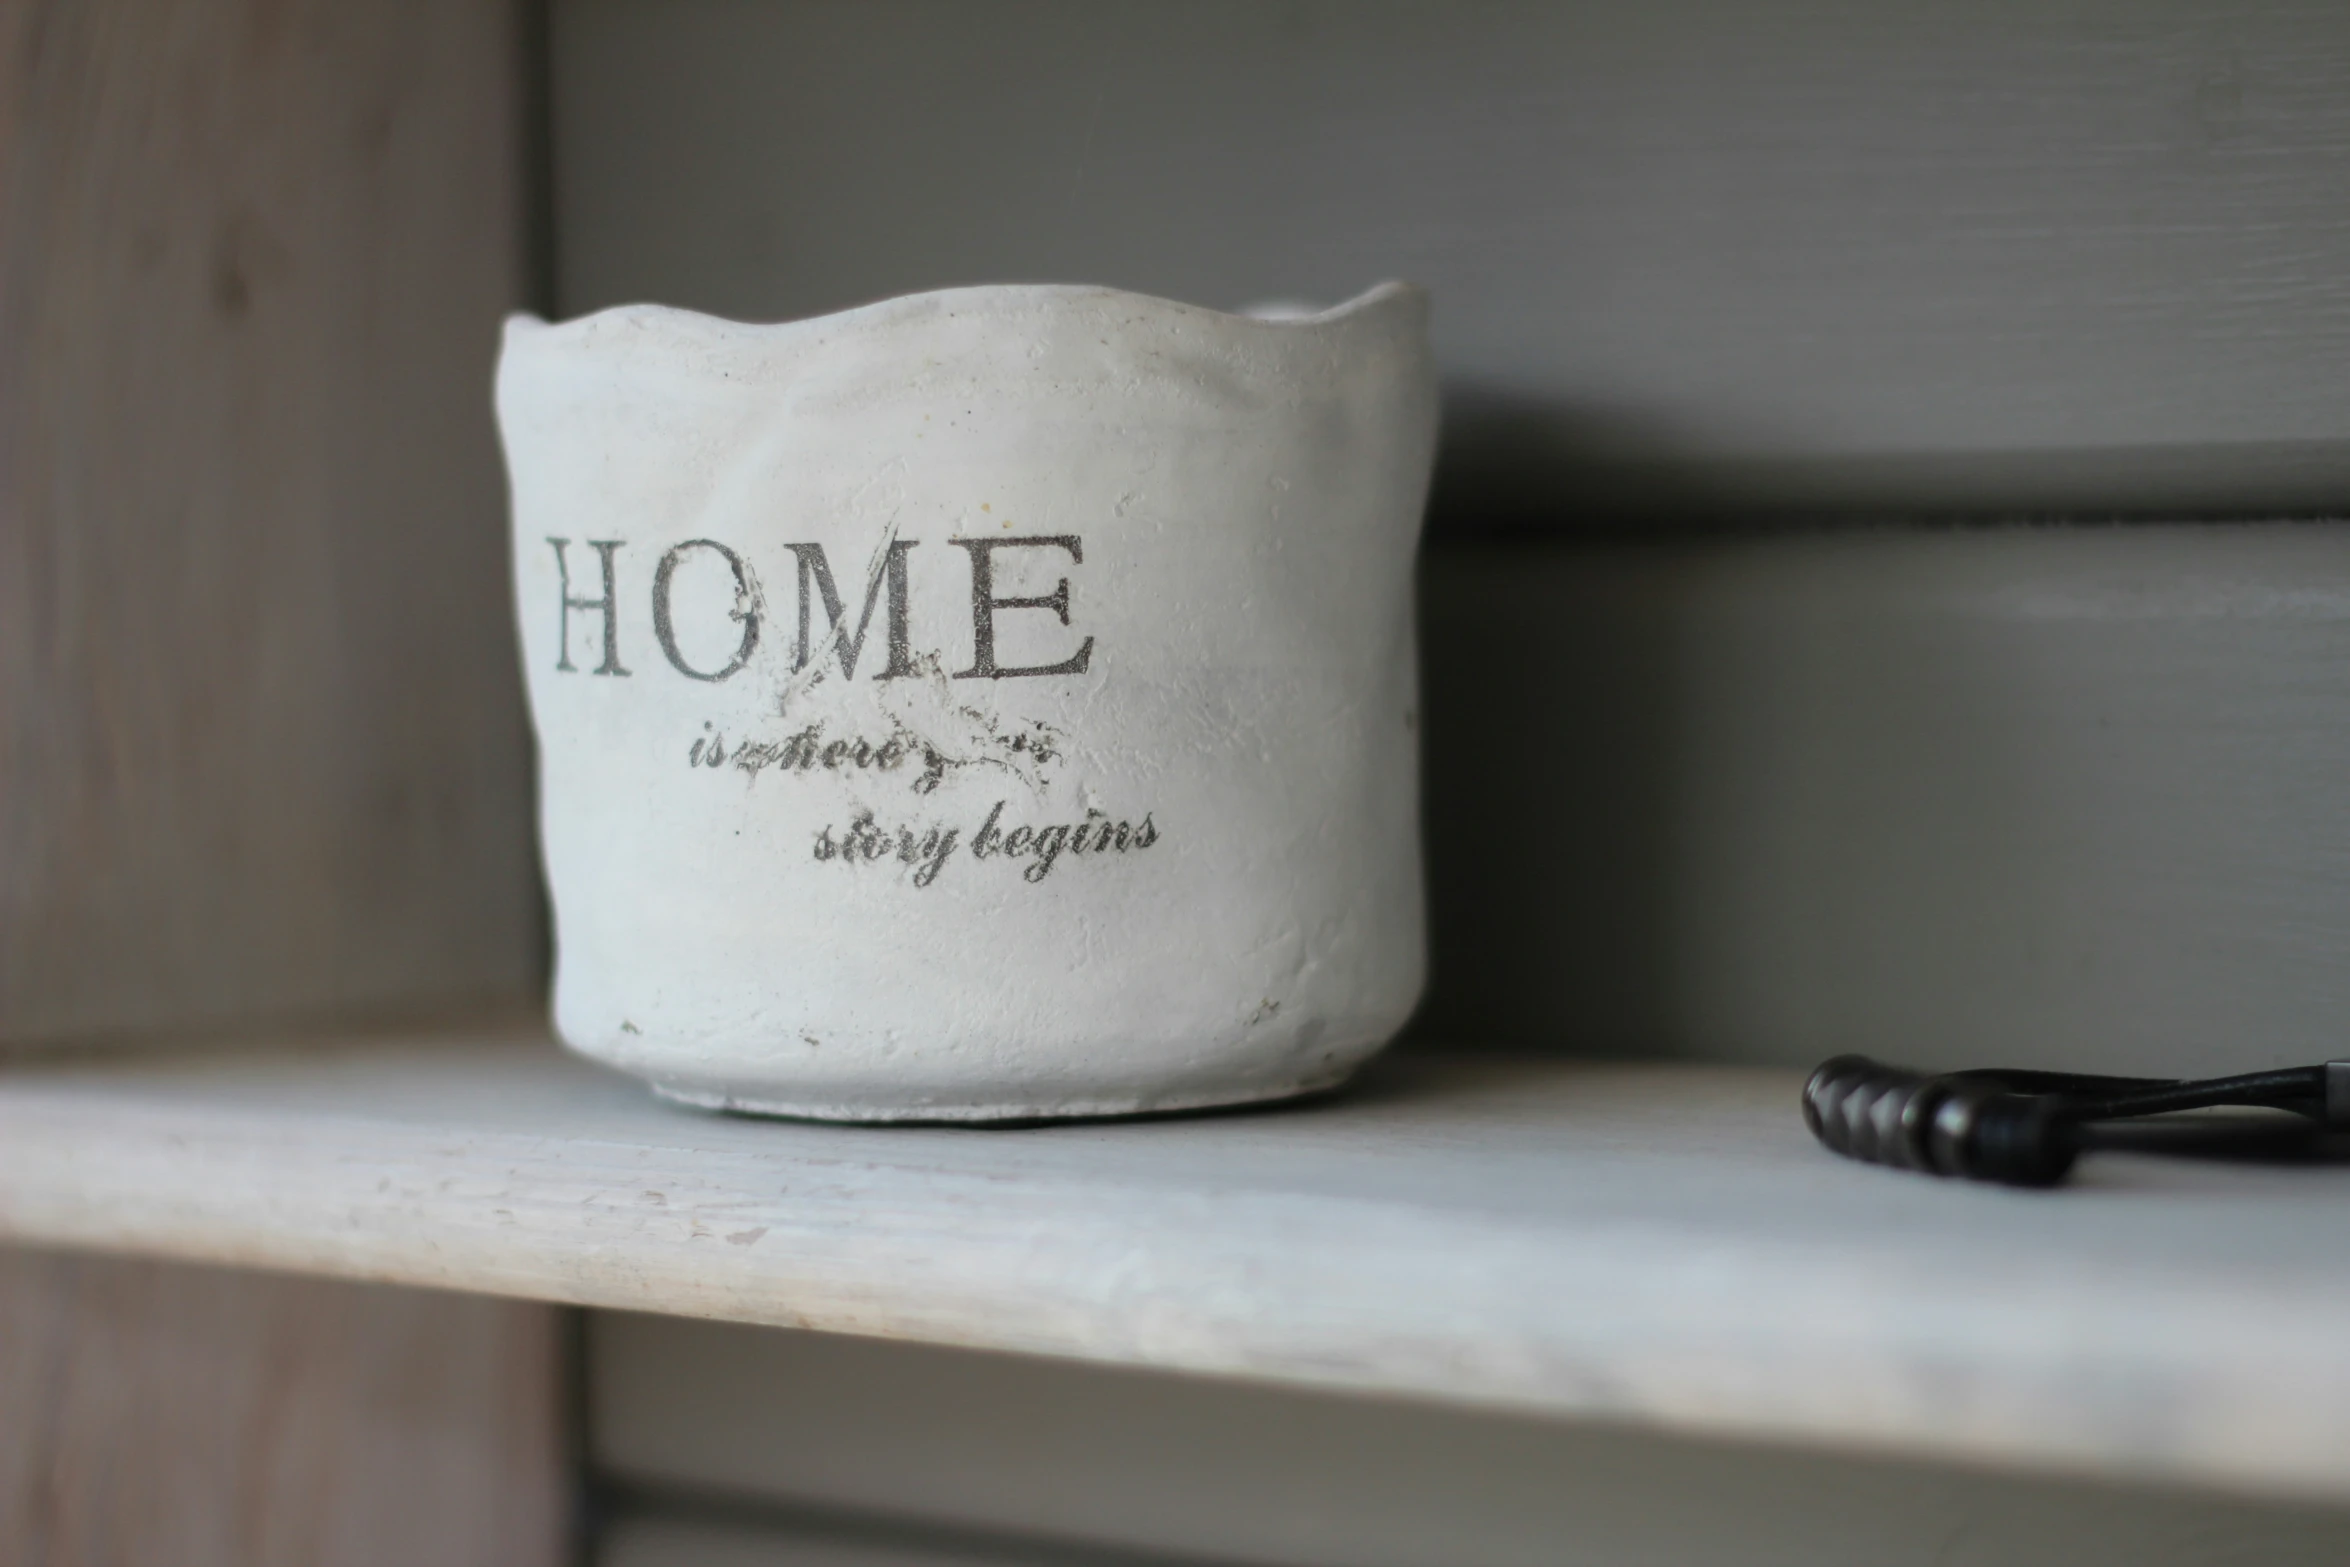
column 1008, row 1111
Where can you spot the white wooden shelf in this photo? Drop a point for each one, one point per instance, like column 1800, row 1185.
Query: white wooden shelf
column 1657, row 1245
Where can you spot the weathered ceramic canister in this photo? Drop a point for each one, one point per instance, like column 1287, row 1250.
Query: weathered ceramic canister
column 989, row 703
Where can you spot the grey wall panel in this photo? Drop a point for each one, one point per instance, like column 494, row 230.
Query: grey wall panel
column 636, row 1535
column 1689, row 255
column 2049, row 796
column 1198, row 1469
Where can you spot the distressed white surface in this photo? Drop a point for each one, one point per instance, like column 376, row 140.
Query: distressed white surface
column 1055, row 1462
column 1661, row 1245
column 1090, row 564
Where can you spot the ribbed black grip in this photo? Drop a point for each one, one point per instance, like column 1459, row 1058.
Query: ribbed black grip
column 1957, row 1123
column 2027, row 1128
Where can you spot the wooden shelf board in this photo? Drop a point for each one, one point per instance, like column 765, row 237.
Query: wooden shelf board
column 1661, row 1245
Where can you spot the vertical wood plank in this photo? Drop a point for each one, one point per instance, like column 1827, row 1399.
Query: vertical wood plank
column 160, row 1413
column 261, row 742
column 262, row 751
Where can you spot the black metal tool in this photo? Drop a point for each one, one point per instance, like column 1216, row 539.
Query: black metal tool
column 2027, row 1128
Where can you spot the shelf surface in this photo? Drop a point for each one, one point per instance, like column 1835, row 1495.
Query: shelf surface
column 1662, row 1245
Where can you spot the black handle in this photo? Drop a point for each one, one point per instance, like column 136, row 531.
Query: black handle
column 2027, row 1128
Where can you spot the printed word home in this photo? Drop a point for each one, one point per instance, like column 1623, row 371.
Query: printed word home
column 591, row 609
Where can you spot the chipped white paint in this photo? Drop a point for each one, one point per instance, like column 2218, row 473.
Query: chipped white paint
column 1660, row 1245
column 996, row 702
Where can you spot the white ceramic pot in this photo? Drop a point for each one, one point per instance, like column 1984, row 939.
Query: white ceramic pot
column 989, row 703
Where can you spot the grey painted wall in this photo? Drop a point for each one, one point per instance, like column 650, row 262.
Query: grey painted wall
column 2064, row 796
column 1698, row 257
column 1049, row 1463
